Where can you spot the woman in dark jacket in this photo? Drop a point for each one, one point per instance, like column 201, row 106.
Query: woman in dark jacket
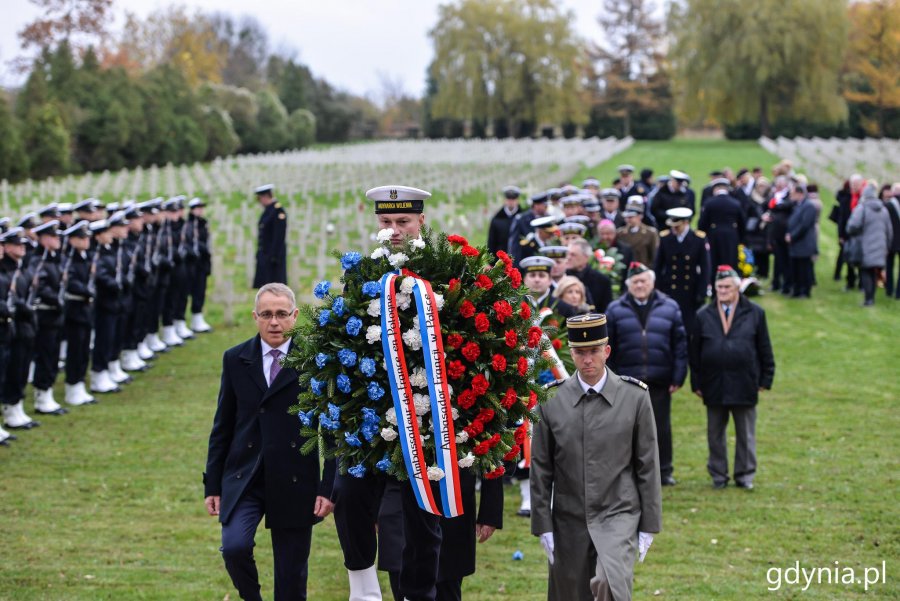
column 731, row 361
column 891, row 200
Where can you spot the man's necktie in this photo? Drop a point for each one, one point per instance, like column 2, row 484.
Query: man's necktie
column 727, row 311
column 276, row 366
column 591, row 391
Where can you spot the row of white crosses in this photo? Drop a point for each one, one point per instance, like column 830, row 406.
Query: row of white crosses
column 323, row 192
column 829, row 162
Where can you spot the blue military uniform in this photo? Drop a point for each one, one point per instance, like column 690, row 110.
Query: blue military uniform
column 723, row 221
column 682, row 271
column 271, row 251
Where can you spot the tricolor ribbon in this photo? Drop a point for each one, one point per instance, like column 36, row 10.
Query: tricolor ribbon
column 411, row 443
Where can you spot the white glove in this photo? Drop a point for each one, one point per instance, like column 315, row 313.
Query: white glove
column 547, row 543
column 644, row 541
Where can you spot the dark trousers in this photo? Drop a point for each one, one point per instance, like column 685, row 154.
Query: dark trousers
column 762, row 263
column 355, row 515
column 781, row 277
column 198, row 289
column 447, row 590
column 290, row 549
column 119, row 339
column 78, row 341
column 745, row 442
column 867, row 278
column 802, row 270
column 176, row 296
column 661, row 400
column 130, row 328
column 838, row 266
column 139, row 318
column 46, row 354
column 20, row 352
column 892, row 279
column 104, row 339
column 4, row 361
column 155, row 310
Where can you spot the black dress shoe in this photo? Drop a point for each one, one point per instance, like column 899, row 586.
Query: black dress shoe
column 668, row 481
column 720, row 485
column 524, row 513
column 744, row 485
column 60, row 411
column 28, row 426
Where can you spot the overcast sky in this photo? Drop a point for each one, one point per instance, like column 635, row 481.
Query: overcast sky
column 348, row 42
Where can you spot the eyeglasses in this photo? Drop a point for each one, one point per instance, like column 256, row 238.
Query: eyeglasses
column 280, row 315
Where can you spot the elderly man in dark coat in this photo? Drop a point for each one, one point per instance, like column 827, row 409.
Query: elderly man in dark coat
column 801, row 238
column 648, row 341
column 595, row 456
column 731, row 360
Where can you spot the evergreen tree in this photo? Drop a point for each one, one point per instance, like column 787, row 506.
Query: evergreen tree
column 47, row 141
column 302, row 127
column 13, row 160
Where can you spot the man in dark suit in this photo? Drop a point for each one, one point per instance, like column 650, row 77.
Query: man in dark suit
column 723, row 221
column 254, row 466
column 682, row 265
column 801, row 239
column 271, row 249
column 498, row 230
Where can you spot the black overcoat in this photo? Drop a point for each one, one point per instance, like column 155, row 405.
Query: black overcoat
column 271, row 250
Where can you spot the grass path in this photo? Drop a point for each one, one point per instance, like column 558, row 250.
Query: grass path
column 106, row 503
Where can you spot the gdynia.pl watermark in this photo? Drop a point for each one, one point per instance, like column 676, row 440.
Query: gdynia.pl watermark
column 835, row 574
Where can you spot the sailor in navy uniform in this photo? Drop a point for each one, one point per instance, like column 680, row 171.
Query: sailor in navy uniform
column 628, row 186
column 682, row 264
column 521, row 223
column 537, row 279
column 498, row 230
column 271, row 250
column 544, row 234
column 78, row 319
column 49, row 317
column 723, row 221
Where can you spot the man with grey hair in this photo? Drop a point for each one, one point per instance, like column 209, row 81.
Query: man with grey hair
column 254, row 466
column 731, row 360
column 598, row 286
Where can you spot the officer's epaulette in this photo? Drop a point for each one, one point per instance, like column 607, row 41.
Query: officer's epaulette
column 277, row 205
column 553, row 384
column 700, row 234
column 664, row 233
column 527, row 239
column 634, row 381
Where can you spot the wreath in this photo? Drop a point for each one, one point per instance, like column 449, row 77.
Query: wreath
column 492, row 352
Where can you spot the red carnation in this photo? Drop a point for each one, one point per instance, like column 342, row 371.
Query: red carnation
column 474, row 429
column 503, row 310
column 532, row 399
column 453, row 284
column 469, row 251
column 481, row 323
column 494, row 441
column 534, row 336
column 521, row 434
column 458, row 240
column 471, row 351
column 454, row 341
column 513, row 453
column 515, row 278
column 523, row 366
column 501, row 254
column 481, row 448
column 496, row 473
column 485, row 416
column 467, row 309
column 509, row 399
column 557, row 343
column 512, row 339
column 524, row 310
column 499, row 363
column 482, row 281
column 456, row 369
column 480, row 385
column 466, row 399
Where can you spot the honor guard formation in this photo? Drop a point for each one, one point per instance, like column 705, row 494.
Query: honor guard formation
column 86, row 287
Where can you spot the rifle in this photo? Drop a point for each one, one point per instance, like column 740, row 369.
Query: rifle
column 92, row 278
column 64, row 280
column 32, row 288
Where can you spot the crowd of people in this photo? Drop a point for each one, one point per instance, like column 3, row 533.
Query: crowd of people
column 86, row 286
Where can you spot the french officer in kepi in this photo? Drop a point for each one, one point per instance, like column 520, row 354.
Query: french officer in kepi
column 271, row 249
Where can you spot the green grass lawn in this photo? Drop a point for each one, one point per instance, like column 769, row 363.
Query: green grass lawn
column 106, row 503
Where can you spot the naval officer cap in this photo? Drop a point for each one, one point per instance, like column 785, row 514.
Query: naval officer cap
column 398, row 199
column 51, row 228
column 28, row 221
column 569, row 189
column 590, row 207
column 113, row 207
column 678, row 214
column 196, row 203
column 610, row 194
column 591, row 182
column 720, row 182
column 634, row 206
column 99, row 226
column 571, row 199
column 51, row 210
column 582, row 219
column 680, row 176
column 570, row 227
column 117, row 219
column 65, row 208
column 512, row 191
column 84, row 206
column 626, row 168
column 82, row 229
column 133, row 212
column 14, row 235
column 173, row 205
column 540, row 197
column 554, row 252
column 4, row 224
column 150, row 206
column 264, row 189
column 544, row 223
column 536, row 264
column 587, row 330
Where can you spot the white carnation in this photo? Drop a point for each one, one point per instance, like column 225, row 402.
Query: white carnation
column 407, row 285
column 435, row 473
column 467, row 461
column 450, row 392
column 384, row 235
column 397, row 259
column 374, row 308
column 403, row 301
column 455, row 413
column 380, row 252
column 439, row 301
column 389, row 434
column 418, row 243
column 391, row 416
column 373, row 334
column 413, row 339
column 462, row 436
column 422, row 403
column 418, row 378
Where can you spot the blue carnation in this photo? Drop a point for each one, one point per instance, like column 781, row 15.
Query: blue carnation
column 371, row 289
column 350, row 260
column 322, row 289
column 338, row 306
column 352, row 439
column 354, row 325
column 375, row 391
column 318, row 386
column 385, row 464
column 346, row 357
column 306, row 417
column 334, row 412
column 328, row 423
column 324, row 316
column 369, row 431
column 370, row 416
column 321, row 360
column 358, row 470
column 343, row 383
column 545, row 377
column 367, row 367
